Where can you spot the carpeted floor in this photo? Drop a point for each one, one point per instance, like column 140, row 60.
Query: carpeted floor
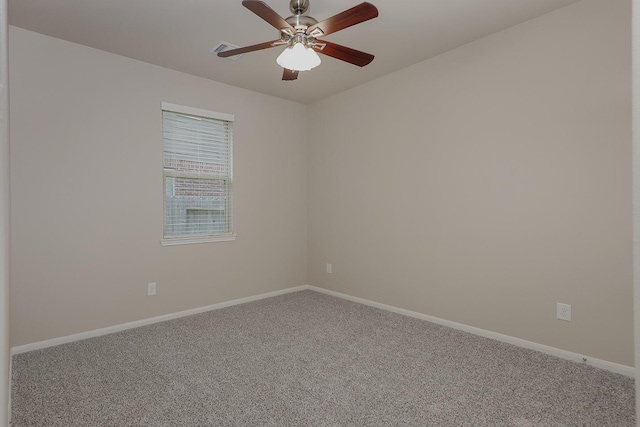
column 308, row 359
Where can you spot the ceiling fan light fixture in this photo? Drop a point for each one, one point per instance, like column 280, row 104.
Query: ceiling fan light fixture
column 298, row 58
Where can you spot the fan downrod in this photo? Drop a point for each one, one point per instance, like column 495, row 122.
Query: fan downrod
column 299, row 7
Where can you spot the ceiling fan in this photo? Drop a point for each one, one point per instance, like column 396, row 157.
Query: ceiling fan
column 300, row 34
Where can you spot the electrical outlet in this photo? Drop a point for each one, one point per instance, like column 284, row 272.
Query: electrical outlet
column 151, row 289
column 328, row 268
column 564, row 312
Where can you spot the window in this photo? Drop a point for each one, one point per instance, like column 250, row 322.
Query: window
column 198, row 175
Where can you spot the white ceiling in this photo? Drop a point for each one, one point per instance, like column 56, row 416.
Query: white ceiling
column 178, row 34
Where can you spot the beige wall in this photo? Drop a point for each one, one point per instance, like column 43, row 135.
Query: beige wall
column 487, row 184
column 482, row 186
column 87, row 192
column 636, row 190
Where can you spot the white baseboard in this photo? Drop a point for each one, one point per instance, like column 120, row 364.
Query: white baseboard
column 135, row 324
column 628, row 371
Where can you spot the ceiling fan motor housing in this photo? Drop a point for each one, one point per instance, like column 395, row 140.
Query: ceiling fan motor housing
column 301, row 22
column 299, row 7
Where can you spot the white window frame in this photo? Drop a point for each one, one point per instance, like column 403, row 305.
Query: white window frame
column 203, row 238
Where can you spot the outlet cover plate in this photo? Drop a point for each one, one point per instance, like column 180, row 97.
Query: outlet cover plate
column 564, row 312
column 151, row 289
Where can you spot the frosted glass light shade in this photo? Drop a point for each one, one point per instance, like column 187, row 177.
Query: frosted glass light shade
column 299, row 58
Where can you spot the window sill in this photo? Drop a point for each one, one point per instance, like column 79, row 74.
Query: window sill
column 194, row 240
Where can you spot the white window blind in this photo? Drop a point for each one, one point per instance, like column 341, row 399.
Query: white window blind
column 198, row 173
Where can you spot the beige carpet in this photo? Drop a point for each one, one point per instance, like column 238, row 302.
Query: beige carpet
column 308, row 359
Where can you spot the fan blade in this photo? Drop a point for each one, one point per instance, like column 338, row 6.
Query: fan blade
column 355, row 15
column 344, row 53
column 261, row 9
column 289, row 75
column 240, row 50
